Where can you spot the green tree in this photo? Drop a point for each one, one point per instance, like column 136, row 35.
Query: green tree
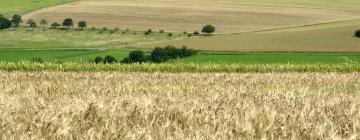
column 4, row 22
column 82, row 24
column 16, row 20
column 43, row 22
column 110, row 59
column 33, row 25
column 55, row 25
column 209, row 29
column 68, row 23
column 98, row 60
column 137, row 56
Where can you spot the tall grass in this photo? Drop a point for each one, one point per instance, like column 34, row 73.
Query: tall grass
column 178, row 67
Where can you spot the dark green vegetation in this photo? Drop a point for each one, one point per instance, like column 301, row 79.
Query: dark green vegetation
column 4, row 22
column 159, row 55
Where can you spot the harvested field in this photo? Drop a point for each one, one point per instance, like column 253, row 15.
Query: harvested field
column 177, row 106
column 188, row 16
column 330, row 37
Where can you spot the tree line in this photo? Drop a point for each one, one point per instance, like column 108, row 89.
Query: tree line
column 68, row 23
column 157, row 55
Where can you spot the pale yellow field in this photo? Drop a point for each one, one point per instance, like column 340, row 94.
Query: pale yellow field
column 56, row 105
column 188, row 15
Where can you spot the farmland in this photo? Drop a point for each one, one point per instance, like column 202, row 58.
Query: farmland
column 10, row 7
column 273, row 69
column 182, row 16
column 59, row 105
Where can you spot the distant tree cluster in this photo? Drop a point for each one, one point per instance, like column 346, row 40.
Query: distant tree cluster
column 159, row 55
column 106, row 60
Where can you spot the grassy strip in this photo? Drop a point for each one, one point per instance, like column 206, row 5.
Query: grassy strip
column 176, row 68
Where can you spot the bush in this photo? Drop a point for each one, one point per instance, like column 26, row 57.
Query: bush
column 137, row 56
column 148, row 32
column 159, row 55
column 196, row 33
column 55, row 25
column 126, row 61
column 98, row 60
column 36, row 60
column 357, row 33
column 161, row 31
column 170, row 34
column 109, row 59
column 189, row 35
column 4, row 22
column 209, row 29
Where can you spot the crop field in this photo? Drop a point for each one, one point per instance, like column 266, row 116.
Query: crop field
column 329, row 37
column 90, row 38
column 57, row 105
column 273, row 69
column 189, row 16
column 10, row 7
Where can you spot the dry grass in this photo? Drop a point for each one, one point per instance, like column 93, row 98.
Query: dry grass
column 188, row 16
column 177, row 106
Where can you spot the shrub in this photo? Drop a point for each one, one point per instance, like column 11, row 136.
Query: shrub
column 4, row 22
column 209, row 29
column 109, row 59
column 126, row 61
column 357, row 33
column 161, row 31
column 149, row 31
column 189, row 35
column 55, row 25
column 159, row 55
column 170, row 34
column 185, row 33
column 104, row 29
column 137, row 56
column 98, row 60
column 36, row 60
column 196, row 33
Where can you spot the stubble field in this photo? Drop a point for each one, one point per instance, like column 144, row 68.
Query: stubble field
column 163, row 105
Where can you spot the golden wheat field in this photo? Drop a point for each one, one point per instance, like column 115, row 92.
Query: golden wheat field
column 60, row 105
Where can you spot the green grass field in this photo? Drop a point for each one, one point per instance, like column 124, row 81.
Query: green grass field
column 10, row 7
column 86, row 55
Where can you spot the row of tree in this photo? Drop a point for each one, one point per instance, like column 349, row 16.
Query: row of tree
column 157, row 55
column 16, row 20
